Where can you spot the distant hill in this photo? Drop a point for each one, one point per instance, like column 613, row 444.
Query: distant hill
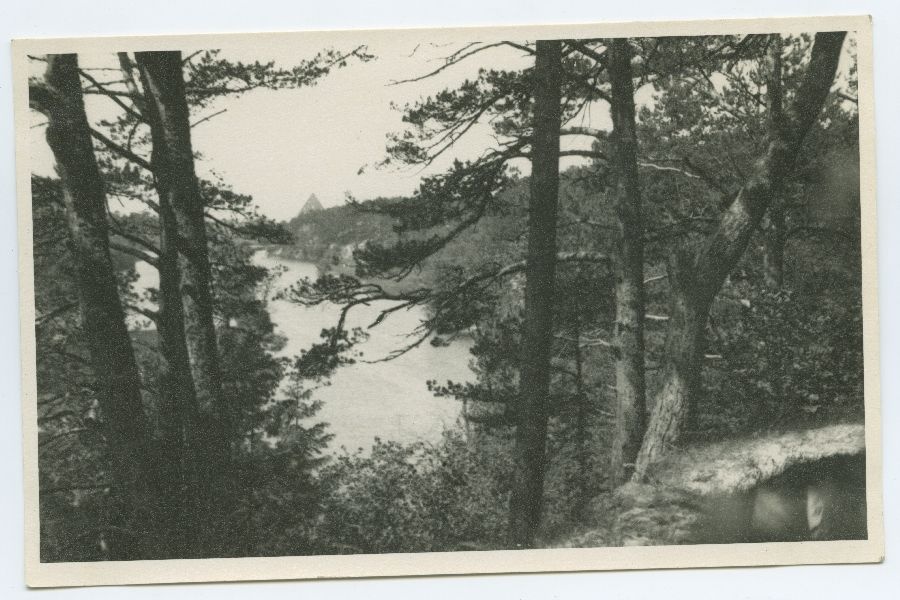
column 312, row 205
column 327, row 236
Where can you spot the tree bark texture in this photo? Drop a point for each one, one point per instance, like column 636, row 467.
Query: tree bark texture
column 179, row 420
column 537, row 335
column 178, row 401
column 112, row 359
column 176, row 181
column 722, row 250
column 773, row 256
column 582, row 433
column 629, row 328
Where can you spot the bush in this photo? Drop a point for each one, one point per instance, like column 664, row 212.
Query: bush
column 415, row 498
column 791, row 357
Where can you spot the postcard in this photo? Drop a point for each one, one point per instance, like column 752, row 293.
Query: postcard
column 448, row 301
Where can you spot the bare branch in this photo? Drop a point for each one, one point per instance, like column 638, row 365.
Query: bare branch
column 451, row 60
column 597, row 155
column 114, row 96
column 208, row 117
column 578, row 130
column 848, row 97
column 190, row 57
column 44, row 441
column 135, row 239
column 586, row 154
column 127, row 67
column 150, row 314
column 579, row 45
column 132, row 251
column 656, row 167
column 121, row 150
column 40, row 97
column 42, row 319
column 517, row 267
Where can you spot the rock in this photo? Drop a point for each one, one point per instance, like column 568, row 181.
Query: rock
column 312, row 205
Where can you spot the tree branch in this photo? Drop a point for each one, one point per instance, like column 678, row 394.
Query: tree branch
column 208, row 117
column 578, row 130
column 455, row 58
column 43, row 441
column 656, row 167
column 599, row 58
column 114, row 96
column 121, row 150
column 846, row 96
column 132, row 251
column 40, row 320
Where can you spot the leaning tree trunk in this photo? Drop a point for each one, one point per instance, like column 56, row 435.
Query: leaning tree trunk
column 540, row 271
column 629, row 329
column 112, row 360
column 176, row 180
column 681, row 374
column 719, row 254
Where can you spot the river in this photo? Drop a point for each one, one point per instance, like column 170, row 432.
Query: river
column 389, row 400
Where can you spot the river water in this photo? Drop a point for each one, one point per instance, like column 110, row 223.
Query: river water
column 365, row 400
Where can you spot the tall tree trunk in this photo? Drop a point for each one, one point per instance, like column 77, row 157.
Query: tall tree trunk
column 177, row 397
column 173, row 161
column 582, row 456
column 537, row 335
column 179, row 414
column 207, row 420
column 773, row 256
column 707, row 269
column 681, row 371
column 629, row 329
column 111, row 355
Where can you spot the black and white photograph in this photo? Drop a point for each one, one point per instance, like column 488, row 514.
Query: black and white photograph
column 448, row 301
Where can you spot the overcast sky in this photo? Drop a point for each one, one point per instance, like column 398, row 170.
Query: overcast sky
column 281, row 146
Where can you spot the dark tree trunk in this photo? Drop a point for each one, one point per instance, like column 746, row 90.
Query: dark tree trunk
column 173, row 162
column 177, row 398
column 773, row 256
column 707, row 269
column 629, row 329
column 775, row 236
column 537, row 335
column 206, row 420
column 582, row 450
column 178, row 413
column 111, row 355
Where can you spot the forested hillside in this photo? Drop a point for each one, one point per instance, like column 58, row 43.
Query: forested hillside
column 328, row 237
